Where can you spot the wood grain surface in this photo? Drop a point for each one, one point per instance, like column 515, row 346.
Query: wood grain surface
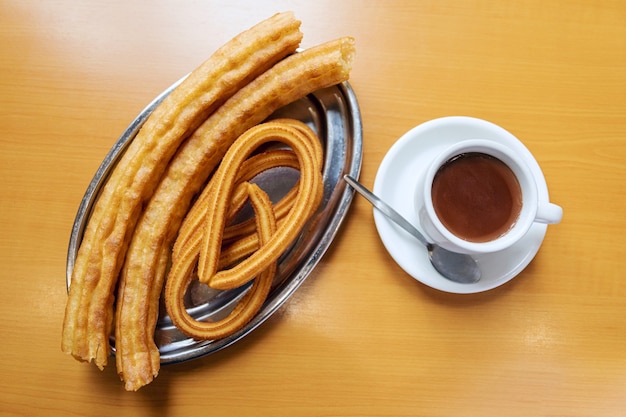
column 360, row 337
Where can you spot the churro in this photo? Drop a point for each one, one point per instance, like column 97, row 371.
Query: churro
column 128, row 241
column 252, row 167
column 142, row 276
column 89, row 310
column 201, row 246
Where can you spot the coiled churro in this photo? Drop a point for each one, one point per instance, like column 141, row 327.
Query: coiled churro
column 202, row 246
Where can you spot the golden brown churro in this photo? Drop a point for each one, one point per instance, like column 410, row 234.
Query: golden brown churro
column 250, row 168
column 143, row 273
column 89, row 311
column 138, row 214
column 202, row 246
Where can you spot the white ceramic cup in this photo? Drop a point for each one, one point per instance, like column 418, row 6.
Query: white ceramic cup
column 532, row 209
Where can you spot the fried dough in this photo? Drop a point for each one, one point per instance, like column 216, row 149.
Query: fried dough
column 142, row 277
column 89, row 310
column 202, row 245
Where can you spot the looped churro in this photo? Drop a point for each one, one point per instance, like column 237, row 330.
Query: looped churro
column 201, row 247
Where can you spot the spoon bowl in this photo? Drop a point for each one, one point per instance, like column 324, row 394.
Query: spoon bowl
column 457, row 267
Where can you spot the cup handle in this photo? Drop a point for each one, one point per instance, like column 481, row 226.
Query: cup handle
column 548, row 213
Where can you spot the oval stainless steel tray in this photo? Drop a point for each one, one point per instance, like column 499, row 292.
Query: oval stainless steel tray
column 335, row 116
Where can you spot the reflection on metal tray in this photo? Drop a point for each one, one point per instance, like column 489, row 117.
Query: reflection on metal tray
column 334, row 114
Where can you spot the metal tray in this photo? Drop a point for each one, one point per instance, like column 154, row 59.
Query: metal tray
column 335, row 116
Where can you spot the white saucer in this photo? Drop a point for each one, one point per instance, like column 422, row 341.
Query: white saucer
column 396, row 183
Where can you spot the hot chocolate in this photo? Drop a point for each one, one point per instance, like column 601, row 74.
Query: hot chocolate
column 476, row 196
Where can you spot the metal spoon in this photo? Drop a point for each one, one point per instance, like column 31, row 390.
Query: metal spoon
column 456, row 267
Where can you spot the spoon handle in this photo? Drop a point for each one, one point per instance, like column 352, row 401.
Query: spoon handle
column 386, row 209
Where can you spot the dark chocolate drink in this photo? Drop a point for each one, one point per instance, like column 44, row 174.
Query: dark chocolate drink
column 476, row 196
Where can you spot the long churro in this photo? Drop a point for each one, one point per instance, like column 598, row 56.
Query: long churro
column 143, row 273
column 201, row 246
column 89, row 310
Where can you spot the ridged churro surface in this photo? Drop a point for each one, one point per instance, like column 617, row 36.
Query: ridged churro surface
column 201, row 247
column 143, row 273
column 126, row 248
column 89, row 311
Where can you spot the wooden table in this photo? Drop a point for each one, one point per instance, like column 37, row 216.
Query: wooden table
column 360, row 337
